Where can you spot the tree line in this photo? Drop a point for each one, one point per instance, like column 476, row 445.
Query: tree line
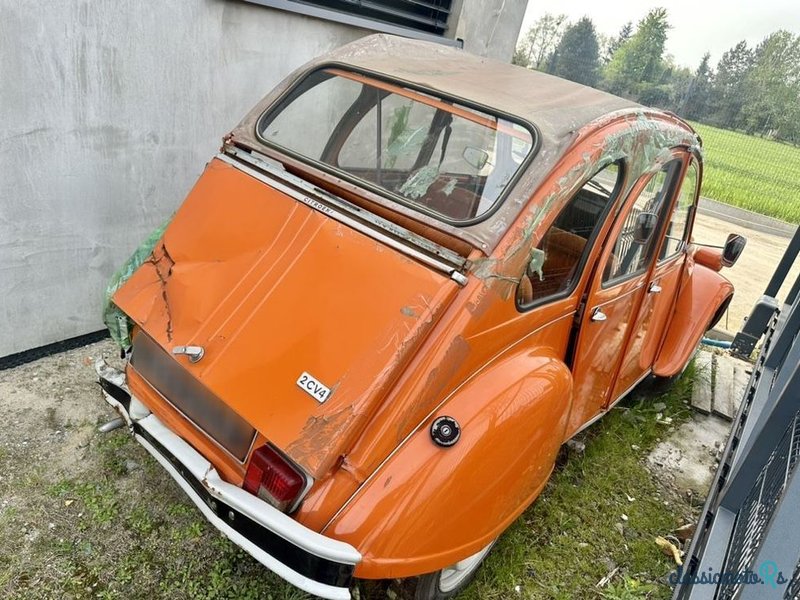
column 755, row 90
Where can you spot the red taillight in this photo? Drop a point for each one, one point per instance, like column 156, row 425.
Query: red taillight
column 270, row 477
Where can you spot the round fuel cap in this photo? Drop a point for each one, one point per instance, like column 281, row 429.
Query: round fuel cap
column 445, row 431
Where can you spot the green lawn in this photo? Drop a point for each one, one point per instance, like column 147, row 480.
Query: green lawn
column 751, row 172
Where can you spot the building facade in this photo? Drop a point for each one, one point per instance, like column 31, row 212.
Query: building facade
column 111, row 110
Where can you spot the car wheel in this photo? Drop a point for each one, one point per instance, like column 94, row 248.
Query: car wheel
column 448, row 582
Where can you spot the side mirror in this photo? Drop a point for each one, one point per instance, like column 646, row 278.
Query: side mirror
column 475, row 157
column 732, row 250
column 646, row 224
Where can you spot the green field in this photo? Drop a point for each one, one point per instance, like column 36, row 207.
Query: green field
column 751, row 172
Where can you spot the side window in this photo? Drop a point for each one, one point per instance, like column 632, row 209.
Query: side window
column 556, row 263
column 629, row 257
column 679, row 221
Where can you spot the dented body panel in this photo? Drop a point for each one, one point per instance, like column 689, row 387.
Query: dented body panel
column 333, row 324
column 231, row 288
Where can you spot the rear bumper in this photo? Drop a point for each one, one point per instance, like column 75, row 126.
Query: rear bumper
column 312, row 562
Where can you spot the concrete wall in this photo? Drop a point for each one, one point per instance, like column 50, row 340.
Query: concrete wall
column 488, row 27
column 110, row 109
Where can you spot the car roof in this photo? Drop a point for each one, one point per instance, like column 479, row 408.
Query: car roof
column 558, row 108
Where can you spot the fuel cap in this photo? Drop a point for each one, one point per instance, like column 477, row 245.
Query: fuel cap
column 445, row 431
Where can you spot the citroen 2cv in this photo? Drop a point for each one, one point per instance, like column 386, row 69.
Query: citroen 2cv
column 409, row 276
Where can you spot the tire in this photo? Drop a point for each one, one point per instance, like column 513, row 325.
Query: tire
column 661, row 385
column 450, row 581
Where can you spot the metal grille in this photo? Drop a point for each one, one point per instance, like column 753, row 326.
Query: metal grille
column 793, row 590
column 759, row 506
column 427, row 16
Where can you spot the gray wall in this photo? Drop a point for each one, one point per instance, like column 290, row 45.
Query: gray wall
column 110, row 110
column 488, row 27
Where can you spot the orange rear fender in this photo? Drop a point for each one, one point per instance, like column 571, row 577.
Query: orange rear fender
column 702, row 297
column 429, row 506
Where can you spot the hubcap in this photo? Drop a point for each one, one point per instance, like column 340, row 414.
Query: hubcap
column 454, row 575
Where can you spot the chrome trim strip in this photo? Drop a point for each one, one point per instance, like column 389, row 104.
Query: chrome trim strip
column 444, row 260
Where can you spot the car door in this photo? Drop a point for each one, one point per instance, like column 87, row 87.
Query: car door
column 662, row 288
column 615, row 294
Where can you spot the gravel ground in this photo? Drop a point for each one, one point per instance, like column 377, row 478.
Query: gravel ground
column 76, row 506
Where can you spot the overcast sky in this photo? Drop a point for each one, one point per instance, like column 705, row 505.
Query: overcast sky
column 698, row 26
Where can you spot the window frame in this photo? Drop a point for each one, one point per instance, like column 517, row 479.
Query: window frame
column 288, row 96
column 580, row 268
column 692, row 163
column 677, row 171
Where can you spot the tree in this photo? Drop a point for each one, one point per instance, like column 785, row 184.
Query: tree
column 729, row 89
column 697, row 99
column 615, row 43
column 520, row 57
column 577, row 56
column 772, row 104
column 680, row 80
column 638, row 63
column 536, row 46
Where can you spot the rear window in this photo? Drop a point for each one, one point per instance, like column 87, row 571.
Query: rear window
column 430, row 153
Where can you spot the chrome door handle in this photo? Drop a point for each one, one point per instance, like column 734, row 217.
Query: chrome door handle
column 654, row 288
column 598, row 315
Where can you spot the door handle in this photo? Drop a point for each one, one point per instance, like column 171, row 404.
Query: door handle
column 195, row 353
column 598, row 315
column 654, row 288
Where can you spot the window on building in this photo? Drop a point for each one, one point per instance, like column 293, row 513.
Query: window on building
column 428, row 17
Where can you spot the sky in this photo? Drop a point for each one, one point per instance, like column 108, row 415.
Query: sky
column 698, row 26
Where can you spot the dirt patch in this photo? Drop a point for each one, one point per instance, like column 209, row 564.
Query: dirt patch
column 91, row 515
column 50, row 410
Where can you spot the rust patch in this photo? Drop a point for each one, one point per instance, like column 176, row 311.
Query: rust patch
column 319, row 435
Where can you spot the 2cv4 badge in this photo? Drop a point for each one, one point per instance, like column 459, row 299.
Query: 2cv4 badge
column 313, row 387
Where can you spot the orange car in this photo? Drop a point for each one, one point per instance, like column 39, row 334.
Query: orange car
column 409, row 276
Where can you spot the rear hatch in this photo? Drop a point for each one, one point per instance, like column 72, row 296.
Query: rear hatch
column 286, row 302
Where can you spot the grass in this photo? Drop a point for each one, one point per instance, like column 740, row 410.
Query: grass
column 123, row 530
column 750, row 172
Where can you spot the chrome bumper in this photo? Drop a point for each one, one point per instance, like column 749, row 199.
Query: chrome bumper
column 306, row 559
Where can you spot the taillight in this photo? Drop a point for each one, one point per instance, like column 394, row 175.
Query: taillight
column 273, row 479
